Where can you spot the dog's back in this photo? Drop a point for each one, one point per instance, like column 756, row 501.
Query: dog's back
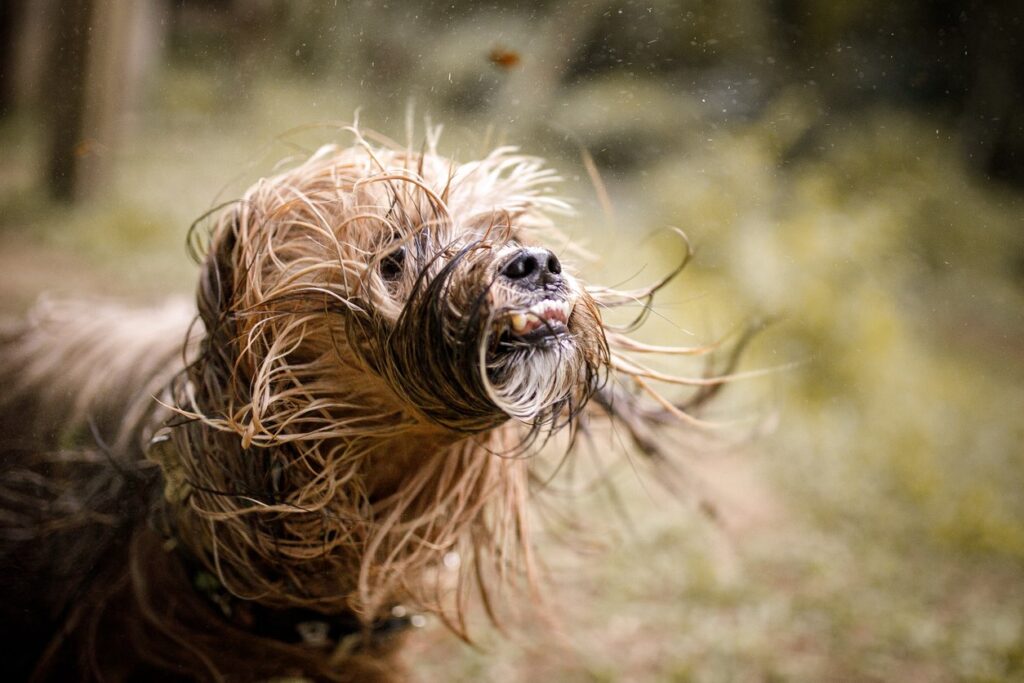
column 79, row 387
column 98, row 366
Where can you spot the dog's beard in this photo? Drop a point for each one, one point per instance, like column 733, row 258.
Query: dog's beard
column 535, row 384
column 543, row 358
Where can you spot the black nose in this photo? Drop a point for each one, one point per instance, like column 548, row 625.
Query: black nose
column 536, row 267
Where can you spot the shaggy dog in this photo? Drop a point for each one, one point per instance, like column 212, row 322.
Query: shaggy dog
column 338, row 441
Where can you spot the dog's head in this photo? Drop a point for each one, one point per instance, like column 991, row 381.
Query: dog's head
column 436, row 289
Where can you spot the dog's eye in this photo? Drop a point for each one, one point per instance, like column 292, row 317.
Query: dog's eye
column 391, row 266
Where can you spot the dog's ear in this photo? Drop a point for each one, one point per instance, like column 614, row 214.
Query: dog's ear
column 218, row 277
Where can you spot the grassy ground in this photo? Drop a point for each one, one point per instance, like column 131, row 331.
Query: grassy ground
column 875, row 534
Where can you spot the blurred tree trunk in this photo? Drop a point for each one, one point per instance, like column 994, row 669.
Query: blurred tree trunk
column 66, row 95
column 11, row 13
column 31, row 46
column 87, row 78
column 993, row 116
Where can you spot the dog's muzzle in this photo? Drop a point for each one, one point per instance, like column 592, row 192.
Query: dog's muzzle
column 536, row 274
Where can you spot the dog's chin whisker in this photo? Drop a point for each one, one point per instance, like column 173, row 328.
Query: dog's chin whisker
column 381, row 343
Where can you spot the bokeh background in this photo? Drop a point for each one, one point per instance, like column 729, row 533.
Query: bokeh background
column 852, row 169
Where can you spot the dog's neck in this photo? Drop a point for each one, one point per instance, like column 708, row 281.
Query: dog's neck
column 390, row 461
column 341, row 523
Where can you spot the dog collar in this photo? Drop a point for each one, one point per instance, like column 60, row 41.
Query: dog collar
column 300, row 625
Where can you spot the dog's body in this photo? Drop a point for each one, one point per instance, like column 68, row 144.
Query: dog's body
column 268, row 489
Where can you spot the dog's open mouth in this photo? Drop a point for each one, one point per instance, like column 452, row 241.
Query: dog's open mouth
column 540, row 323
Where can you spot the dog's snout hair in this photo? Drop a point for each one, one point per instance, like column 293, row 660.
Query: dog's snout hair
column 382, row 337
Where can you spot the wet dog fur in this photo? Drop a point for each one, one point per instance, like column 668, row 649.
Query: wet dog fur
column 266, row 483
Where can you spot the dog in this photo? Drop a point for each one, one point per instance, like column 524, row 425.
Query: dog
column 334, row 441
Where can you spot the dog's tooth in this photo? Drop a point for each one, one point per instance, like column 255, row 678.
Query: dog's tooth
column 519, row 322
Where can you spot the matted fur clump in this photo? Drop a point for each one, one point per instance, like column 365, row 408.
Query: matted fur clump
column 382, row 340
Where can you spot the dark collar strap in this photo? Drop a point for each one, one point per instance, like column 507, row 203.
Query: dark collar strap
column 299, row 625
